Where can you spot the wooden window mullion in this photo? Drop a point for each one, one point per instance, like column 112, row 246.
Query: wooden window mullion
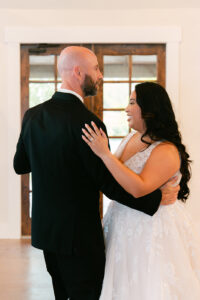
column 161, row 65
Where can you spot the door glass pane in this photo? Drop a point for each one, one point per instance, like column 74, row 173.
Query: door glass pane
column 133, row 86
column 116, row 67
column 144, row 67
column 40, row 92
column 41, row 67
column 30, row 204
column 115, row 95
column 30, row 181
column 106, row 202
column 116, row 123
column 58, row 85
column 58, row 76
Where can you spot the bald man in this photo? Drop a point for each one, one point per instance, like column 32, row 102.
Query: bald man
column 67, row 178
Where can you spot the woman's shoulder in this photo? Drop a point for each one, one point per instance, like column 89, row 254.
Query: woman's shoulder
column 166, row 146
column 166, row 150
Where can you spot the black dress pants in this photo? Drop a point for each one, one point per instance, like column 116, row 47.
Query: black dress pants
column 76, row 277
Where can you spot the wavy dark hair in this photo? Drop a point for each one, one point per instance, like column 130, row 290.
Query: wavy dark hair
column 160, row 121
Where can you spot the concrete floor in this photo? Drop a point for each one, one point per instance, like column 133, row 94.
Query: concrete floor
column 23, row 274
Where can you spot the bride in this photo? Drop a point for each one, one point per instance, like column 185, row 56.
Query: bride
column 148, row 258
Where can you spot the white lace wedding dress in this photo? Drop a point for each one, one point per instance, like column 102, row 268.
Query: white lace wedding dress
column 150, row 258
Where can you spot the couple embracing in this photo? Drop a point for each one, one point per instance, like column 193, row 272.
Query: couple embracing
column 147, row 248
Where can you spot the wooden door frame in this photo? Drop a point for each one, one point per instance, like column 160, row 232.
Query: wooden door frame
column 95, row 104
column 25, row 219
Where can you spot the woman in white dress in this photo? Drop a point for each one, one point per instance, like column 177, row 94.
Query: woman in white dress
column 148, row 258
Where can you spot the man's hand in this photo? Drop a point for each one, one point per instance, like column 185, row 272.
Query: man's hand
column 169, row 192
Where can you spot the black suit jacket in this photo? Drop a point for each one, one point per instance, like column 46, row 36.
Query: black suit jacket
column 67, row 177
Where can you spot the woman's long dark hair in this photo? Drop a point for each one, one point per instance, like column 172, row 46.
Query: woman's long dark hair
column 159, row 118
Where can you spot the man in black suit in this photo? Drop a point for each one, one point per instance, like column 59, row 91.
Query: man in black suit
column 67, row 178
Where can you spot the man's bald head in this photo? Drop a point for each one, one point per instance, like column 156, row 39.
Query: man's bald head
column 73, row 56
column 79, row 70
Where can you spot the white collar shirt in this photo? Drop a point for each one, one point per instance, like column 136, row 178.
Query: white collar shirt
column 70, row 92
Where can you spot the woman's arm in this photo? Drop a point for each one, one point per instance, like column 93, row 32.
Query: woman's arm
column 162, row 164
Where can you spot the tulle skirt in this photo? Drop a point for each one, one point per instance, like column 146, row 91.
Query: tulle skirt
column 151, row 258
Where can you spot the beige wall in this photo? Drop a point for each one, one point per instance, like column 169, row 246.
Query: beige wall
column 189, row 86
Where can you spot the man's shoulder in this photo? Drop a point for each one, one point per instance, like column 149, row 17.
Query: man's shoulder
column 33, row 111
column 92, row 117
column 37, row 107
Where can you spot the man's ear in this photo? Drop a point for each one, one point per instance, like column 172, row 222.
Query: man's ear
column 77, row 72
